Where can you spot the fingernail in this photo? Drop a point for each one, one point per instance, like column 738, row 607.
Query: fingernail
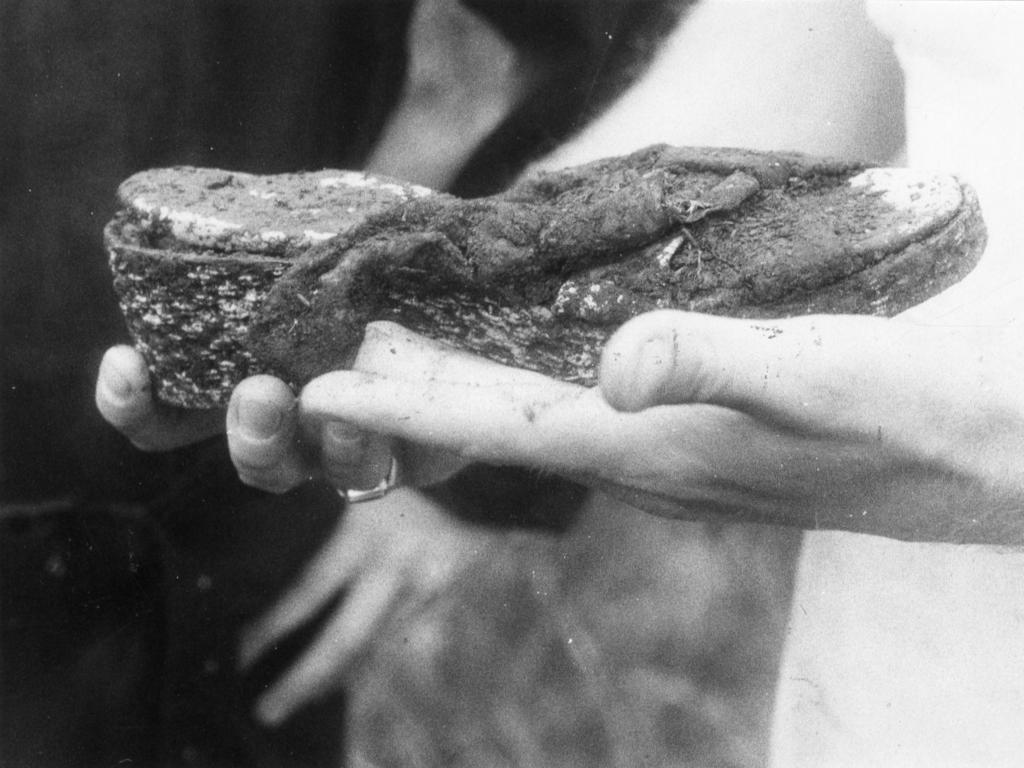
column 259, row 419
column 655, row 361
column 655, row 356
column 117, row 384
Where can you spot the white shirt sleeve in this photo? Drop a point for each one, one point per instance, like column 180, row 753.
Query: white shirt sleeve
column 800, row 75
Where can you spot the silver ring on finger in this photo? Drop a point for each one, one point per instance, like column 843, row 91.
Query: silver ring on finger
column 379, row 491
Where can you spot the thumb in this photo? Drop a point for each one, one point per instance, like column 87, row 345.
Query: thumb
column 670, row 357
column 780, row 370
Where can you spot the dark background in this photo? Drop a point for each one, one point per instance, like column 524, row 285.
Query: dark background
column 126, row 576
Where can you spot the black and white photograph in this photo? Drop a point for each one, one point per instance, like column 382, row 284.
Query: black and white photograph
column 511, row 384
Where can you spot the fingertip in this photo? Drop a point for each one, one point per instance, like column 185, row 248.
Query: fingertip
column 390, row 350
column 382, row 331
column 388, row 346
column 127, row 360
column 124, row 397
column 257, row 639
column 329, row 396
column 262, row 426
column 270, row 479
column 260, row 409
column 265, row 387
column 122, row 381
column 304, row 682
column 640, row 362
column 250, row 648
column 271, row 710
column 770, row 368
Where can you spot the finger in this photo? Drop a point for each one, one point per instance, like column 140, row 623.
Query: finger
column 353, row 458
column 672, row 357
column 323, row 578
column 124, row 397
column 319, row 669
column 262, row 429
column 390, row 350
column 789, row 372
column 672, row 460
column 508, row 423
